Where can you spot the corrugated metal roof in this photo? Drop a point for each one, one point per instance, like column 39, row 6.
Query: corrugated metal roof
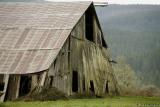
column 32, row 34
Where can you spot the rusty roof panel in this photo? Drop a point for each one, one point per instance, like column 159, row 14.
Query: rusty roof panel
column 32, row 34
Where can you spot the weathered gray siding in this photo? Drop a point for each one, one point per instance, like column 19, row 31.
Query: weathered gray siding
column 59, row 73
column 90, row 60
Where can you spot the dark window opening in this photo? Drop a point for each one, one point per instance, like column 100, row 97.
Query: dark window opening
column 107, row 90
column 39, row 77
column 1, row 86
column 84, row 87
column 89, row 24
column 25, row 85
column 51, row 81
column 92, row 86
column 55, row 62
column 75, row 81
column 1, row 83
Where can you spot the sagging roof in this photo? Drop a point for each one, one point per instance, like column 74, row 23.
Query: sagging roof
column 32, row 34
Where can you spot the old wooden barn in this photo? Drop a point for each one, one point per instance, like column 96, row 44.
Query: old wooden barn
column 57, row 44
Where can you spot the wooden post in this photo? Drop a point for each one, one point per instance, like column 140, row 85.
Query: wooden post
column 43, row 77
column 6, row 79
column 17, row 86
column 34, row 82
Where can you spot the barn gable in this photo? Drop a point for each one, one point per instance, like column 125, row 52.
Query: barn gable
column 32, row 34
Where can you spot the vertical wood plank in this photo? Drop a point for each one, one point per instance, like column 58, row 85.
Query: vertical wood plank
column 6, row 79
column 43, row 77
column 17, row 86
column 34, row 82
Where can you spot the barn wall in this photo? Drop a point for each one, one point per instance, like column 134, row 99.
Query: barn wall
column 90, row 60
column 59, row 73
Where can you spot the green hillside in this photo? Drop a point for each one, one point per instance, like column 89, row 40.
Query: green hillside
column 133, row 31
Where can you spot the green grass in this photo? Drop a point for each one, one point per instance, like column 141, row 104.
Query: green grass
column 99, row 102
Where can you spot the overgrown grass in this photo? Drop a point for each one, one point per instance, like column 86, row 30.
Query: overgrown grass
column 97, row 102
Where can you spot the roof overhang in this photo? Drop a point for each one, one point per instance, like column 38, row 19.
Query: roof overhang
column 96, row 2
column 101, row 4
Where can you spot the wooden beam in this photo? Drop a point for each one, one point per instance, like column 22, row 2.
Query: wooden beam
column 6, row 79
column 43, row 77
column 34, row 82
column 17, row 86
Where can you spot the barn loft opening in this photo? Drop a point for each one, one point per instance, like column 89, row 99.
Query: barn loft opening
column 25, row 85
column 89, row 24
column 92, row 87
column 107, row 89
column 75, row 81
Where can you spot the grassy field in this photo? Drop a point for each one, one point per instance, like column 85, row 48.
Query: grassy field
column 102, row 102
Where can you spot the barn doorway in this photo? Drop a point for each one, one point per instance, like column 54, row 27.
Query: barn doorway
column 1, row 86
column 51, row 81
column 1, row 83
column 75, row 81
column 84, row 85
column 25, row 85
column 92, row 87
column 107, row 89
